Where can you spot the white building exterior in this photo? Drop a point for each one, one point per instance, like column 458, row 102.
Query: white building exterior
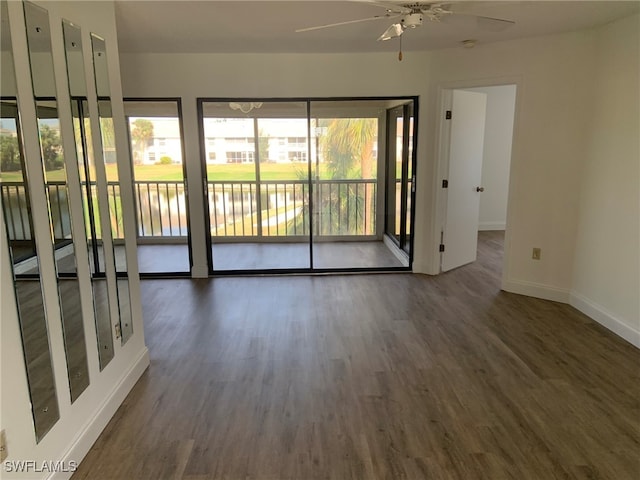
column 165, row 142
column 232, row 140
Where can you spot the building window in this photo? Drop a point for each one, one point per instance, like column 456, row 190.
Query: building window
column 239, row 141
column 300, row 156
column 240, row 157
column 212, row 156
column 297, row 142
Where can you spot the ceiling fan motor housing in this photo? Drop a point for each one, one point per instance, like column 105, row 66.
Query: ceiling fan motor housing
column 412, row 20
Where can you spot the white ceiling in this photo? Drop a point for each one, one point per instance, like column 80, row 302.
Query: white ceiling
column 268, row 26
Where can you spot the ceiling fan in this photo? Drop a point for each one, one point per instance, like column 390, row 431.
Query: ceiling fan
column 412, row 15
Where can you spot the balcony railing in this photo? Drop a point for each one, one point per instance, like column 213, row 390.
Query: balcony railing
column 281, row 208
column 14, row 205
column 14, row 201
column 244, row 209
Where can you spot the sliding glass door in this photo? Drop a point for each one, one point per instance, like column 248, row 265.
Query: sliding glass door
column 256, row 166
column 349, row 186
column 302, row 186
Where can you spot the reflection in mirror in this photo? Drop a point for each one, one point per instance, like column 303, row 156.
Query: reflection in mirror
column 86, row 167
column 16, row 209
column 55, row 177
column 109, row 155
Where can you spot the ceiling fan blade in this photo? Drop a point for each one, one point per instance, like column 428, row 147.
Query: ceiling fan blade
column 389, row 6
column 393, row 31
column 349, row 22
column 491, row 24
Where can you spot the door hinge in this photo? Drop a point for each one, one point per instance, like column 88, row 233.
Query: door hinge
column 118, row 330
column 448, row 115
column 442, row 247
column 445, row 183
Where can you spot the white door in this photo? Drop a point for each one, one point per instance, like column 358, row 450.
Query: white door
column 460, row 237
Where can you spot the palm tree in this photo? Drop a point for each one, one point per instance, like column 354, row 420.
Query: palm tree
column 51, row 148
column 347, row 145
column 141, row 133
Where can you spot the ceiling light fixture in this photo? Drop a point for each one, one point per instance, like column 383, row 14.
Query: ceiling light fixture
column 393, row 31
column 244, row 107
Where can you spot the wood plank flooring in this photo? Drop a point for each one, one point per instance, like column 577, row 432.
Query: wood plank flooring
column 392, row 376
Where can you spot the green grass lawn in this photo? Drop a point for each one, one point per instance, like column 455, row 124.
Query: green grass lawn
column 242, row 172
column 239, row 172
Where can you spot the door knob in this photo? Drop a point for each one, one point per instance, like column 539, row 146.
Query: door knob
column 479, row 189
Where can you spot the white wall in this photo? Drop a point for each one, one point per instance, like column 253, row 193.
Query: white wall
column 496, row 155
column 80, row 423
column 606, row 273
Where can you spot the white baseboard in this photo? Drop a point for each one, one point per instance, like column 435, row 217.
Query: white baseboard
column 537, row 290
column 585, row 305
column 484, row 226
column 93, row 428
column 605, row 318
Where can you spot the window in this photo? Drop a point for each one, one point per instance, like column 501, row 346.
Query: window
column 159, row 184
column 297, row 142
column 212, row 156
column 239, row 141
column 300, row 156
column 240, row 157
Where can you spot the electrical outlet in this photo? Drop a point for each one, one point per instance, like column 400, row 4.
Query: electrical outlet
column 536, row 254
column 4, row 453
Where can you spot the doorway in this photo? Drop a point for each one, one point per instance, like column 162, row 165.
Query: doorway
column 476, row 139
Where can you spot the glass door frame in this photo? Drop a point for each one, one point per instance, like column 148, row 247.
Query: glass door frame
column 408, row 99
column 409, row 139
column 178, row 102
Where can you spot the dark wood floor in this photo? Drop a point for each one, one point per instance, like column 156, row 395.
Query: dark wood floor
column 394, row 376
